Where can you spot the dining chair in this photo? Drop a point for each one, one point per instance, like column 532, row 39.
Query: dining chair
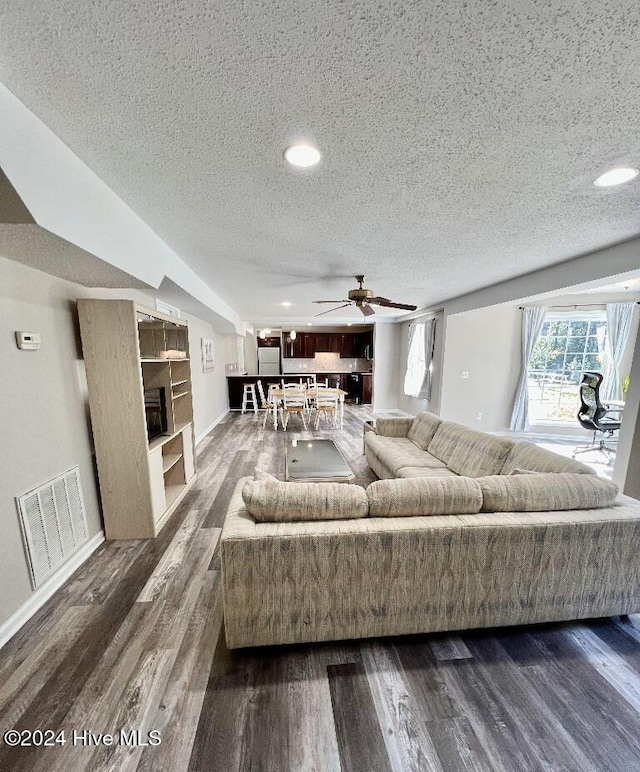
column 267, row 405
column 326, row 405
column 293, row 401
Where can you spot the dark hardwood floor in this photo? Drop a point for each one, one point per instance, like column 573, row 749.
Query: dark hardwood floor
column 134, row 640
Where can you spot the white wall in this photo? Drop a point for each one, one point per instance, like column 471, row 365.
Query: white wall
column 251, row 354
column 485, row 344
column 210, row 394
column 386, row 366
column 44, row 411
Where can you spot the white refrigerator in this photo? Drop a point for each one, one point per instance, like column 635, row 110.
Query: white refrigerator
column 269, row 360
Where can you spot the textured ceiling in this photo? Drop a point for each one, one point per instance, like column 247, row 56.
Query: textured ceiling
column 460, row 139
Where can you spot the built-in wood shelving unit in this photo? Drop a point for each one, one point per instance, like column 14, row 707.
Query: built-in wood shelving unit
column 132, row 352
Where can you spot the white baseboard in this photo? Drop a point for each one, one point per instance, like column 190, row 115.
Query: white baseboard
column 40, row 596
column 394, row 410
column 203, row 434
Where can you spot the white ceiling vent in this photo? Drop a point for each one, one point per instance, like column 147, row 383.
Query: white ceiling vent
column 54, row 523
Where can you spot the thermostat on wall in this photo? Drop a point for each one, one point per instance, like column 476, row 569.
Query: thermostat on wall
column 29, row 341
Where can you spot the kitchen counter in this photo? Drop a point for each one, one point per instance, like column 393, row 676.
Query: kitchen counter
column 359, row 390
column 302, row 374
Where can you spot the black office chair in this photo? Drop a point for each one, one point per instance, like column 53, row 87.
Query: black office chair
column 593, row 415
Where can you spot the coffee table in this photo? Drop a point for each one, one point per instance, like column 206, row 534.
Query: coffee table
column 315, row 461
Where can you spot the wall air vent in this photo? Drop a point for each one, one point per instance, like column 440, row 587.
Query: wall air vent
column 54, row 523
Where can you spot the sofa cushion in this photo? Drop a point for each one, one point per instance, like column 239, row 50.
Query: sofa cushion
column 425, row 471
column 545, row 492
column 396, row 452
column 423, row 427
column 468, row 452
column 424, row 496
column 272, row 502
column 392, row 426
column 526, row 455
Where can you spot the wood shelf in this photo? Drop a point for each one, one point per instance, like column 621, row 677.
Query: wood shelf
column 169, row 460
column 148, row 359
column 141, row 482
column 171, row 493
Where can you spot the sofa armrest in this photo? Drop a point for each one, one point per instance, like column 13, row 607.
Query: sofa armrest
column 393, row 427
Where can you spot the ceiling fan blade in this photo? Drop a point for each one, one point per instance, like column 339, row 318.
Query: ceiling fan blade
column 337, row 308
column 367, row 310
column 390, row 304
column 328, row 301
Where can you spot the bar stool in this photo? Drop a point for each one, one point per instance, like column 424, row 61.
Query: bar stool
column 249, row 401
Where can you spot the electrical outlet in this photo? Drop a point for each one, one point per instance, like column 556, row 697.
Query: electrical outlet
column 464, row 375
column 478, row 416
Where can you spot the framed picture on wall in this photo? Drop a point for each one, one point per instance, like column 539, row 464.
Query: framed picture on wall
column 207, row 355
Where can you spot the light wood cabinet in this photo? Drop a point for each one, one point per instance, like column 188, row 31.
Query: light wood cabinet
column 139, row 378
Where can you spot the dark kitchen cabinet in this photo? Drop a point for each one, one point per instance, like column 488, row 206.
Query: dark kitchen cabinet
column 327, row 342
column 303, row 347
column 367, row 389
column 347, row 345
column 309, row 345
column 336, row 380
column 365, row 345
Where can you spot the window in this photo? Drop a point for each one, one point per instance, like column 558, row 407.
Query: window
column 417, row 380
column 568, row 345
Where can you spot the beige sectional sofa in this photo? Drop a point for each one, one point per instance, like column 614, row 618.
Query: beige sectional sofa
column 426, row 446
column 420, row 552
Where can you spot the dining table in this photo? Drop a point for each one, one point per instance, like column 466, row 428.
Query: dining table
column 312, row 392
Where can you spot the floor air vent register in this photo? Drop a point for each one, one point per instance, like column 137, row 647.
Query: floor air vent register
column 54, row 523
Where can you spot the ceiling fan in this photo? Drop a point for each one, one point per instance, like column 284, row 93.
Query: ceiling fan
column 363, row 299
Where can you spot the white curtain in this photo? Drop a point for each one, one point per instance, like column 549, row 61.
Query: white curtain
column 417, row 380
column 619, row 317
column 532, row 321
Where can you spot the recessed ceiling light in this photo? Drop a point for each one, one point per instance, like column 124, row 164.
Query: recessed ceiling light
column 285, row 303
column 349, row 324
column 309, row 324
column 616, row 177
column 302, row 155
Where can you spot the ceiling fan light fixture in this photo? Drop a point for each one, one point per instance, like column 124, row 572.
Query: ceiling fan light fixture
column 617, row 176
column 302, row 155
